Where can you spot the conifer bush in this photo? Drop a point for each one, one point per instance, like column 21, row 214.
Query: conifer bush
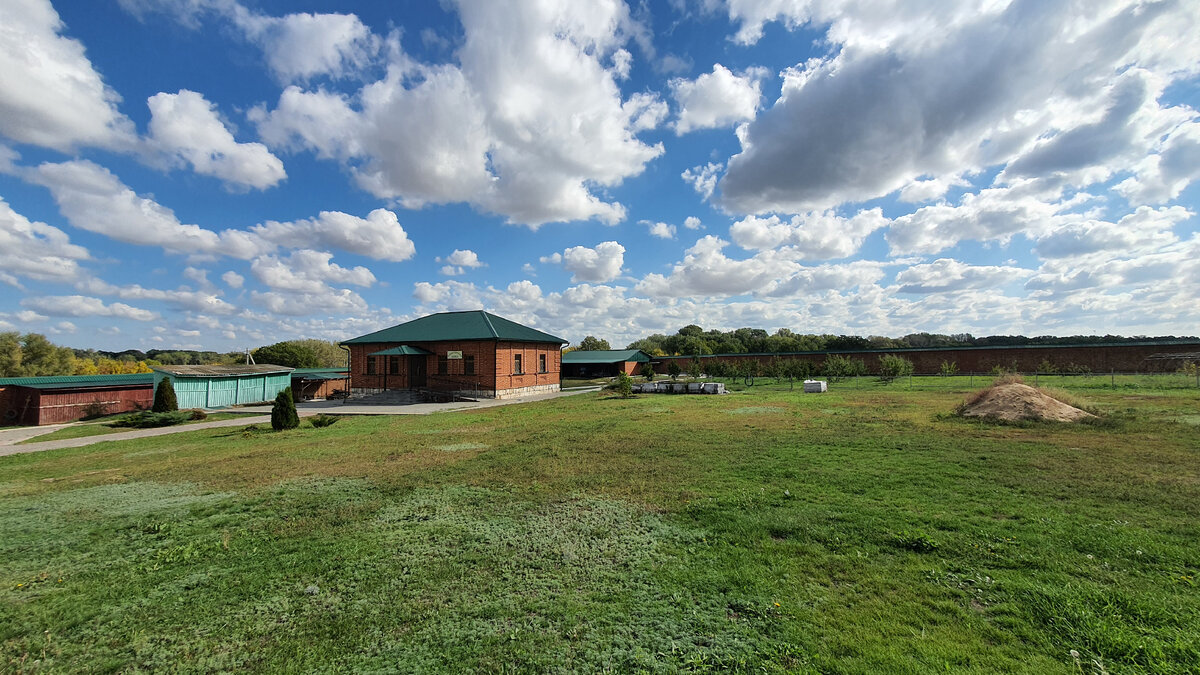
column 283, row 412
column 164, row 397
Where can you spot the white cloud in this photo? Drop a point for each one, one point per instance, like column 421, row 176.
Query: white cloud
column 602, row 263
column 301, row 46
column 660, row 230
column 80, row 305
column 1144, row 231
column 525, row 126
column 946, row 275
column 703, row 178
column 716, row 99
column 812, row 236
column 307, row 271
column 183, row 298
column 233, row 279
column 50, row 95
column 185, row 126
column 379, row 235
column 29, row 316
column 326, row 302
column 692, row 223
column 930, row 189
column 63, row 327
column 36, row 250
column 884, row 109
column 459, row 261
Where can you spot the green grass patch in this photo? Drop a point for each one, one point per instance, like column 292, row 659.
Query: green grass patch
column 860, row 531
column 103, row 426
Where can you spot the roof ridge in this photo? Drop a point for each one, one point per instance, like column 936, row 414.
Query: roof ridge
column 487, row 319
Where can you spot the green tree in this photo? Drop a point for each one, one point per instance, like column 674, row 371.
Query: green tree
column 10, row 354
column 592, row 343
column 648, row 371
column 838, row 367
column 623, row 385
column 164, row 397
column 673, row 369
column 892, row 366
column 40, row 357
column 328, row 354
column 283, row 411
column 694, row 368
column 291, row 354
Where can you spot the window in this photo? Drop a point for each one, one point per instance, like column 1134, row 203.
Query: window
column 541, row 363
column 393, row 365
column 370, row 365
column 517, row 370
column 443, row 365
column 468, row 364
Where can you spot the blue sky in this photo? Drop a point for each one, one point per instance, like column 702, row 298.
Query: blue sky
column 216, row 174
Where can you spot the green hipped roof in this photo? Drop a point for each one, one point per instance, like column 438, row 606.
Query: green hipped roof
column 402, row 350
column 473, row 325
column 69, row 381
column 606, row 356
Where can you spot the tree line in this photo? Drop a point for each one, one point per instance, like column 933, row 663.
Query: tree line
column 694, row 340
column 34, row 355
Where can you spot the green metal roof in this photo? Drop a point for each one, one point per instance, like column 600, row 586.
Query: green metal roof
column 70, row 381
column 321, row 373
column 473, row 325
column 606, row 356
column 402, row 350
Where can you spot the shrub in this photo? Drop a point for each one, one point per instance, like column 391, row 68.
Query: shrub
column 95, row 409
column 949, row 368
column 838, row 367
column 283, row 412
column 892, row 366
column 623, row 385
column 164, row 397
column 1047, row 367
column 197, row 414
column 673, row 369
column 694, row 368
column 914, row 540
column 323, row 420
column 648, row 371
column 150, row 419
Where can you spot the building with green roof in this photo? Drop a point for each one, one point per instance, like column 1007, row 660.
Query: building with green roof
column 36, row 401
column 469, row 354
column 603, row 362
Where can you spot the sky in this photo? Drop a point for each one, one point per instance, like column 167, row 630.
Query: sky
column 223, row 174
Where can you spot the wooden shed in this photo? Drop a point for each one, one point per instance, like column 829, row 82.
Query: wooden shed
column 310, row 384
column 35, row 401
column 223, row 386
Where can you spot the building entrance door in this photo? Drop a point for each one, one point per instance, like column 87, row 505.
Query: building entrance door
column 417, row 370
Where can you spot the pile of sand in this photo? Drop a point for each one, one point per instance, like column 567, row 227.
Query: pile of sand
column 1013, row 402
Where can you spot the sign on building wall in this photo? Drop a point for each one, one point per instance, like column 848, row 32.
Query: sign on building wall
column 453, row 355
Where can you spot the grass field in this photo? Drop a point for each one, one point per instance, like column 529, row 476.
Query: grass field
column 859, row 531
column 100, row 427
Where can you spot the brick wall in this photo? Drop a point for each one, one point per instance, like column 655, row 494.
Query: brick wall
column 1131, row 358
column 494, row 364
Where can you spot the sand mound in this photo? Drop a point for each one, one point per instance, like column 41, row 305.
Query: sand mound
column 1013, row 402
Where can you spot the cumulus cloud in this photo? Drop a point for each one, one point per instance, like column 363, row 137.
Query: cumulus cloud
column 325, row 301
column 307, row 271
column 36, row 250
column 693, row 223
column 459, row 262
column 185, row 126
column 50, row 94
column 182, row 298
column 703, row 178
column 813, row 236
column 379, row 235
column 81, row 306
column 884, row 110
column 659, row 229
column 301, row 46
column 233, row 279
column 946, row 275
column 716, row 99
column 1146, row 230
column 525, row 125
column 602, row 263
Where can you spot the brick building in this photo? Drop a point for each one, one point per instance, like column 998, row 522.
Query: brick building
column 35, row 401
column 471, row 353
column 603, row 362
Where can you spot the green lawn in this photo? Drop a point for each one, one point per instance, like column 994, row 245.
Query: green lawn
column 858, row 531
column 100, row 426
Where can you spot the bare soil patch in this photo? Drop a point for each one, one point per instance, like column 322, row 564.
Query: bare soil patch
column 1016, row 402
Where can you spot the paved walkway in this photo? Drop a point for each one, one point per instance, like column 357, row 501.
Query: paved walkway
column 306, row 409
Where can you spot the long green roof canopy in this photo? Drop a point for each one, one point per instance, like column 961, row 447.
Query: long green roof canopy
column 70, row 381
column 606, row 356
column 402, row 350
column 472, row 325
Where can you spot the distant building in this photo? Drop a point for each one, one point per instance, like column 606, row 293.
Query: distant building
column 223, row 386
column 34, row 401
column 473, row 353
column 603, row 363
column 310, row 384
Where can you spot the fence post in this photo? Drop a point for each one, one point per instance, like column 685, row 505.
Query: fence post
column 1112, row 378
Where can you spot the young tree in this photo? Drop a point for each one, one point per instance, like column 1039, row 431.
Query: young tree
column 949, row 368
column 624, row 385
column 892, row 366
column 164, row 397
column 694, row 369
column 673, row 369
column 648, row 371
column 283, row 412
